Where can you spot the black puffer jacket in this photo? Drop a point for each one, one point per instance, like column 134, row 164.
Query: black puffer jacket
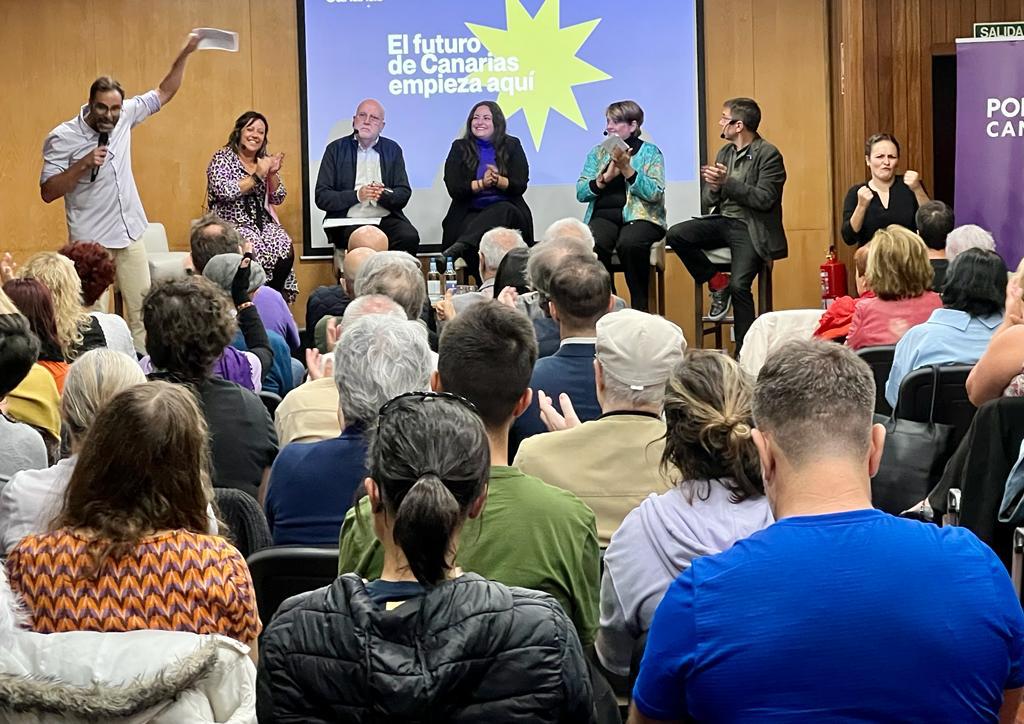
column 469, row 650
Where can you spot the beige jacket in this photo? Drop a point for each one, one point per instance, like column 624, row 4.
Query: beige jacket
column 611, row 464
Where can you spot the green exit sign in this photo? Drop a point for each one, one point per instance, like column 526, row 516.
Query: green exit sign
column 999, row 30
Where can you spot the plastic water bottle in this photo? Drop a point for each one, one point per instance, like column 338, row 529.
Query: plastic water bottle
column 434, row 282
column 450, row 280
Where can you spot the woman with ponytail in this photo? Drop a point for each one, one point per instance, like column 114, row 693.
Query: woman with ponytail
column 717, row 500
column 425, row 641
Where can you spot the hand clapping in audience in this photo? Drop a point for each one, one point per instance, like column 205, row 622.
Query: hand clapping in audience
column 8, row 268
column 444, row 309
column 552, row 418
column 508, row 297
column 319, row 365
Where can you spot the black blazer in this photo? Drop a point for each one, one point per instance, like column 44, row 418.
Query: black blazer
column 760, row 196
column 458, row 179
column 335, row 184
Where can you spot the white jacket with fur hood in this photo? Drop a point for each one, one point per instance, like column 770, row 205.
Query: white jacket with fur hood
column 162, row 677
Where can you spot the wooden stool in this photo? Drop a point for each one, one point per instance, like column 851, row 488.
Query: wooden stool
column 704, row 325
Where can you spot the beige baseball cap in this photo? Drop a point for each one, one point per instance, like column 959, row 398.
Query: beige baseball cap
column 638, row 349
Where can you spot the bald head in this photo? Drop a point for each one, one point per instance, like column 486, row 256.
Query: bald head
column 368, row 122
column 368, row 237
column 354, row 261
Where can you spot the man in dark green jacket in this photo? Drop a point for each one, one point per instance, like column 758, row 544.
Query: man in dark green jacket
column 743, row 190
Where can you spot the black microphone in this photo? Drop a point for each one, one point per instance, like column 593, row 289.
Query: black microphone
column 104, row 139
column 606, row 133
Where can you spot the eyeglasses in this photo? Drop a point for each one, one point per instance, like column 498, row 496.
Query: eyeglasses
column 728, row 121
column 426, row 396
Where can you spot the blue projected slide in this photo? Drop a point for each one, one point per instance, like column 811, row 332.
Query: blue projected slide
column 552, row 65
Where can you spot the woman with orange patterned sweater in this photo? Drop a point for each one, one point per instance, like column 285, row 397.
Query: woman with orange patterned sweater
column 129, row 549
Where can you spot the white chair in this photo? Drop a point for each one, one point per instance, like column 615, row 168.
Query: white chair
column 164, row 265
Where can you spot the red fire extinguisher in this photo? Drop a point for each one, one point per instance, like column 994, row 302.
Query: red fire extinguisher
column 833, row 278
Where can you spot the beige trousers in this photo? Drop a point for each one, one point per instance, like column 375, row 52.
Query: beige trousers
column 132, row 281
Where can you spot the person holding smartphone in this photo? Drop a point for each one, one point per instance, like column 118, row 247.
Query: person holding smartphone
column 623, row 181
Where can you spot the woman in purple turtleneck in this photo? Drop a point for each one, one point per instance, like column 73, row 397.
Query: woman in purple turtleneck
column 486, row 174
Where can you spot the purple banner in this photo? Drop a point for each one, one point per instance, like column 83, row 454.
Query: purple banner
column 990, row 141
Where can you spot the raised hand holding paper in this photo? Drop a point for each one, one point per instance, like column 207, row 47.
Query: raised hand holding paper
column 215, row 39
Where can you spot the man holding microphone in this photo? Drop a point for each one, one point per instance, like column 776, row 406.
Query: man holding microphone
column 87, row 161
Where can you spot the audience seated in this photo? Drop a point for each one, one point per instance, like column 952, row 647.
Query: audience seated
column 394, row 274
column 77, row 331
column 212, row 236
column 279, row 376
column 718, row 498
column 934, row 222
column 837, row 611
column 530, row 534
column 543, row 260
column 579, row 294
column 1000, row 370
column 960, row 331
column 354, row 261
column 512, row 272
column 968, row 236
column 332, row 299
column 123, row 678
column 423, row 639
column 494, row 245
column 21, row 447
column 570, row 228
column 400, row 277
column 269, row 303
column 900, row 276
column 835, row 322
column 129, row 549
column 310, row 412
column 35, row 303
column 32, row 498
column 312, row 485
column 188, row 324
column 36, row 402
column 613, row 462
column 95, row 269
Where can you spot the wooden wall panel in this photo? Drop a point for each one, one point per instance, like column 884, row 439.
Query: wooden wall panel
column 773, row 50
column 886, row 60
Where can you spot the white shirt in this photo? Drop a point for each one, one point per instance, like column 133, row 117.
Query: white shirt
column 367, row 172
column 33, row 498
column 107, row 210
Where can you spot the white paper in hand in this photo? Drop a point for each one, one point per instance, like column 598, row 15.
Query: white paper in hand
column 215, row 39
column 612, row 142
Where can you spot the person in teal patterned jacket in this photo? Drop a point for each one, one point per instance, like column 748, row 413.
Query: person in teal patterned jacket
column 625, row 190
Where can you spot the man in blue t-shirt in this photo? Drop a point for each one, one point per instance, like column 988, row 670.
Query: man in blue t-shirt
column 837, row 611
